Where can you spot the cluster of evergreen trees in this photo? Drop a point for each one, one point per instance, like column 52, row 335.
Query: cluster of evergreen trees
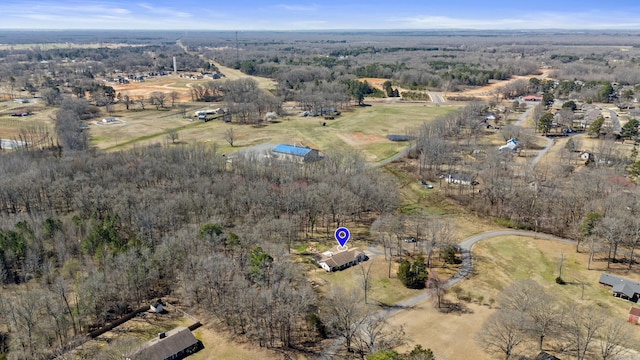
column 413, row 275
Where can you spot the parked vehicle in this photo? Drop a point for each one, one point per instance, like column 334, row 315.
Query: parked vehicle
column 426, row 184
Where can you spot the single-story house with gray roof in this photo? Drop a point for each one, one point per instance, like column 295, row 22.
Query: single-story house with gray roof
column 171, row 345
column 621, row 287
column 339, row 260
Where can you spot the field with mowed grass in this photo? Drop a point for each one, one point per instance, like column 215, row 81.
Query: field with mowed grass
column 362, row 129
column 497, row 263
column 40, row 116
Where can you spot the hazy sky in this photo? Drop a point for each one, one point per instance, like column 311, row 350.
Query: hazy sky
column 319, row 15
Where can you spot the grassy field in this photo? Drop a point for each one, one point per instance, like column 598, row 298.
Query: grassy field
column 384, row 290
column 362, row 129
column 498, row 262
column 10, row 125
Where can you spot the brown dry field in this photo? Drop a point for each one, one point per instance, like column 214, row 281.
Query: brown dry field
column 220, row 345
column 453, row 336
column 174, row 82
column 10, row 126
column 448, row 336
column 164, row 84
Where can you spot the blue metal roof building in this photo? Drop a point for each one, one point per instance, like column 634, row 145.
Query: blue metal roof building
column 297, row 153
column 292, row 149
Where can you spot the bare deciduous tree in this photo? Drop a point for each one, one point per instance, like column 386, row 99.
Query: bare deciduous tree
column 174, row 95
column 173, row 135
column 613, row 339
column 158, row 99
column 365, row 278
column 582, row 326
column 142, row 100
column 344, row 313
column 230, row 136
column 375, row 334
column 503, row 332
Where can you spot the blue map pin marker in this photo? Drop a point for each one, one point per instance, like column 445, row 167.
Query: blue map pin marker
column 342, row 235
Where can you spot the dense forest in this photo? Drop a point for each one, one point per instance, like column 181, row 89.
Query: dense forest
column 117, row 229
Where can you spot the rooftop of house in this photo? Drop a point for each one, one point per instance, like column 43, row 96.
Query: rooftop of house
column 620, row 285
column 634, row 311
column 292, row 149
column 335, row 258
column 543, row 355
column 174, row 341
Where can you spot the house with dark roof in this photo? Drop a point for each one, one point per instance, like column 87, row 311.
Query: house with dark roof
column 174, row 344
column 339, row 260
column 295, row 153
column 634, row 316
column 621, row 287
column 543, row 355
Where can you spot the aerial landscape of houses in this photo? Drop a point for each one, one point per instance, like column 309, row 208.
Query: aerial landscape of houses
column 177, row 174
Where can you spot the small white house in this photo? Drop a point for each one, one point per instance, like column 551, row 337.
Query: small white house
column 109, row 120
column 156, row 307
column 511, row 145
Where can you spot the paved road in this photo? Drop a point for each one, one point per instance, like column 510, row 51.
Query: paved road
column 395, row 157
column 465, row 270
column 525, row 114
column 436, row 98
column 549, row 144
column 615, row 122
column 541, row 153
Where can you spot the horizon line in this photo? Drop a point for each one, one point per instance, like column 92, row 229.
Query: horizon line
column 329, row 30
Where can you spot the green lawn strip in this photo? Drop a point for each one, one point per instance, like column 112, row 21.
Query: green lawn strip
column 500, row 261
column 385, row 150
column 384, row 291
column 151, row 136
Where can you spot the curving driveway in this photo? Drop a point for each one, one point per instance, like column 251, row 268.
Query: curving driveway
column 465, row 270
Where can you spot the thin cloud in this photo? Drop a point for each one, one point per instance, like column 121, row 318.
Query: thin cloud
column 297, row 8
column 62, row 10
column 530, row 21
column 164, row 11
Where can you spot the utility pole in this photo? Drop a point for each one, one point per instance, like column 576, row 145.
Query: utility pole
column 237, row 51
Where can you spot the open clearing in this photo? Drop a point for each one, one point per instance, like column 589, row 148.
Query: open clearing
column 10, row 126
column 164, row 84
column 361, row 128
column 498, row 262
column 384, row 291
